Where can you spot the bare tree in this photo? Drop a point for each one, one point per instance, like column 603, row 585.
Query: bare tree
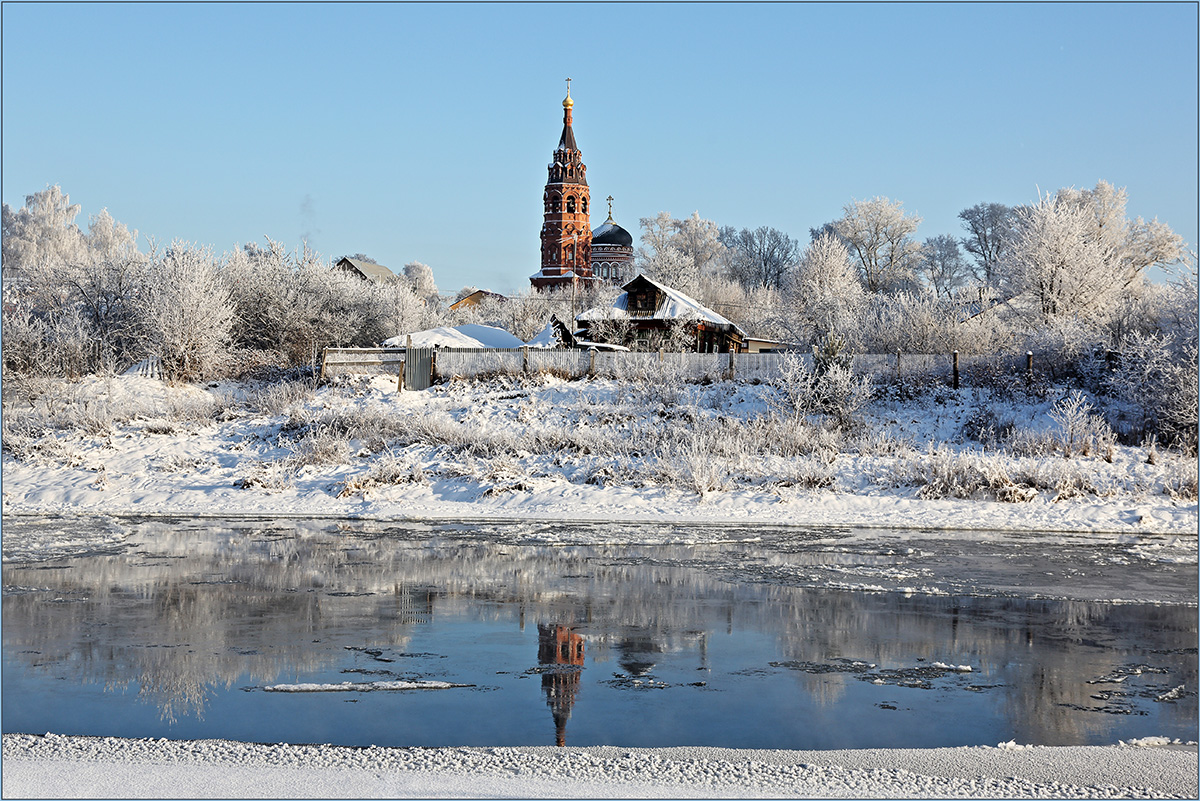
column 942, row 265
column 988, row 226
column 762, row 257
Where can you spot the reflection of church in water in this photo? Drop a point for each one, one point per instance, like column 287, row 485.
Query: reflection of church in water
column 561, row 650
column 572, row 253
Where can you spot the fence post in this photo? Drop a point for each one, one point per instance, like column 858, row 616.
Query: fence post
column 660, row 355
column 897, row 367
column 433, row 366
column 592, row 362
column 324, row 356
column 1029, row 368
column 525, row 359
column 732, row 368
column 956, row 369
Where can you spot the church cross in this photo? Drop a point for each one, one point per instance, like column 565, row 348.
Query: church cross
column 568, row 87
column 609, row 199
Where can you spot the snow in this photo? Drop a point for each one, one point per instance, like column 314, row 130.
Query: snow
column 138, row 446
column 55, row 766
column 544, row 338
column 470, row 335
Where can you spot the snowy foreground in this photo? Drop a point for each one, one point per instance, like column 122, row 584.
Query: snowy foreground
column 600, row 450
column 81, row 767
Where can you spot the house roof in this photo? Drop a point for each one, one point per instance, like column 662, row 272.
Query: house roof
column 674, row 305
column 475, row 297
column 367, row 269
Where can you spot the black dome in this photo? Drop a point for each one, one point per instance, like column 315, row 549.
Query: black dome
column 612, row 234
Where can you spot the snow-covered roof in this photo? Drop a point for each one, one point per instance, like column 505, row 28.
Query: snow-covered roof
column 470, row 335
column 545, row 338
column 542, row 274
column 674, row 306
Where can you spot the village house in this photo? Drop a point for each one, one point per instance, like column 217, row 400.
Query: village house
column 648, row 313
column 365, row 270
column 474, row 299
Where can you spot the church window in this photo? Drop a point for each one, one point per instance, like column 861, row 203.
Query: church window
column 570, row 204
column 585, row 205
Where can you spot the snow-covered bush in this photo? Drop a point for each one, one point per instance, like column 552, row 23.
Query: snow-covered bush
column 184, row 312
column 390, row 469
column 1157, row 379
column 1079, row 430
column 319, row 446
column 282, row 397
column 801, row 391
column 1180, row 481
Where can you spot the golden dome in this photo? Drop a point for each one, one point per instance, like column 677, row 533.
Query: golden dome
column 568, row 102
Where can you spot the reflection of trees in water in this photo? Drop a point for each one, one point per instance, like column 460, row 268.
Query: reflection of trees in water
column 191, row 609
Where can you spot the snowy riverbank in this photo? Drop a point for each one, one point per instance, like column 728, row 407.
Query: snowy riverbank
column 84, row 767
column 546, row 449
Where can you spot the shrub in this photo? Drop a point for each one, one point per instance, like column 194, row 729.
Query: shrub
column 390, row 469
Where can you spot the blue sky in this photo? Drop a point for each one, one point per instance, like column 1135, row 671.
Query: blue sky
column 422, row 132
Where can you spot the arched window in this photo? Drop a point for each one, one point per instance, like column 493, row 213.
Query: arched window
column 585, row 205
column 570, row 204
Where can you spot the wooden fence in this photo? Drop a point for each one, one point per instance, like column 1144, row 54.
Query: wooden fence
column 451, row 363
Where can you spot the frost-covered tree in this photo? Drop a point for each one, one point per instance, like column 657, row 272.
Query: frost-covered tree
column 762, row 257
column 825, row 295
column 679, row 253
column 670, row 266
column 942, row 265
column 42, row 234
column 1054, row 266
column 185, row 311
column 988, row 227
column 909, row 321
column 77, row 286
column 878, row 235
column 420, row 276
column 1127, row 247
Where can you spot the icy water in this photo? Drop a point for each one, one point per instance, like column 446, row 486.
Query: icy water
column 391, row 634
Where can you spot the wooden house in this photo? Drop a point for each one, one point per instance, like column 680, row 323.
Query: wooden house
column 649, row 310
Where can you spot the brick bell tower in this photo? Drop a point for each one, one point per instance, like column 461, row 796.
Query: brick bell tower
column 566, row 233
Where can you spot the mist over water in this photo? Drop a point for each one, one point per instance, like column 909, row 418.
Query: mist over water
column 653, row 636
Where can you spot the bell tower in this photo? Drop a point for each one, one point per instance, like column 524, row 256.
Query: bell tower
column 566, row 233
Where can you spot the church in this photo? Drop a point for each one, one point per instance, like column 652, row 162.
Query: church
column 572, row 253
